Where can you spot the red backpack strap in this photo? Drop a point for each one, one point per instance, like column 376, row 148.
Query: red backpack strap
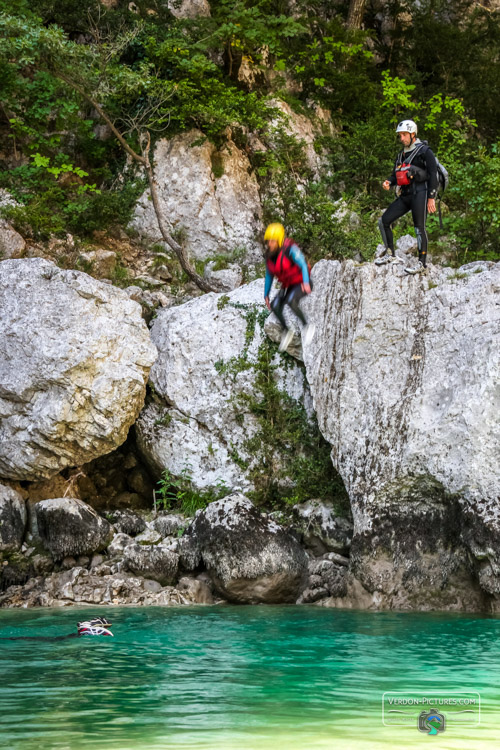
column 285, row 250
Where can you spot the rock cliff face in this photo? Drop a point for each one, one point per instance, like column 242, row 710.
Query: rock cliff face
column 212, row 196
column 74, row 359
column 404, row 376
column 13, row 519
column 207, row 352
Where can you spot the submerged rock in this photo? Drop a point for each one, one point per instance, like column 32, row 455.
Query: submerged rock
column 70, row 527
column 74, row 359
column 402, row 371
column 250, row 558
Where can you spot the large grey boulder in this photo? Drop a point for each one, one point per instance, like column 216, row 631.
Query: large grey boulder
column 404, row 375
column 208, row 349
column 217, row 208
column 156, row 562
column 69, row 527
column 74, row 360
column 249, row 557
column 13, row 518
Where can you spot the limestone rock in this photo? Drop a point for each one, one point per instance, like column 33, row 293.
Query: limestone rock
column 13, row 518
column 198, row 591
column 74, row 359
column 83, row 587
column 196, row 423
column 102, row 262
column 217, row 213
column 155, row 562
column 249, row 557
column 188, row 8
column 169, row 524
column 403, row 372
column 302, row 128
column 321, row 530
column 12, row 245
column 71, row 527
column 127, row 522
column 119, row 544
column 224, row 279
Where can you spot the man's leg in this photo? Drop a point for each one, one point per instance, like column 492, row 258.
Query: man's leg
column 277, row 306
column 419, row 215
column 292, row 298
column 398, row 208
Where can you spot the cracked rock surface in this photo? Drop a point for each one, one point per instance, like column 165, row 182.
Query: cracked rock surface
column 404, row 375
column 207, row 349
column 75, row 356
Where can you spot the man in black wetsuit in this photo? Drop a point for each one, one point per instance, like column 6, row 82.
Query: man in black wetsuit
column 96, row 626
column 416, row 178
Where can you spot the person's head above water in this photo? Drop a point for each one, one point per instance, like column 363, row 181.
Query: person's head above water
column 96, row 626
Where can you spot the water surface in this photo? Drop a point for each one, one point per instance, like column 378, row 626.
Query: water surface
column 258, row 678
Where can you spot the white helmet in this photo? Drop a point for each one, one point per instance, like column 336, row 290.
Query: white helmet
column 407, row 126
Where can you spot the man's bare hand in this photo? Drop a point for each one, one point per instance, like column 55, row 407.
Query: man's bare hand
column 431, row 206
column 306, row 288
column 266, row 300
column 386, row 185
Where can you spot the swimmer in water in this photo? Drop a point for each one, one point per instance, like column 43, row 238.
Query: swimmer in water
column 96, row 626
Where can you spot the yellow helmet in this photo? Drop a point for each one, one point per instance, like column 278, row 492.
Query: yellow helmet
column 275, row 232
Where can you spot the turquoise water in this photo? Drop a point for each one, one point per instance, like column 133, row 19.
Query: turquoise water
column 240, row 677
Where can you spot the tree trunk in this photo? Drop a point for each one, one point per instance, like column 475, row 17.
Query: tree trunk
column 200, row 282
column 144, row 161
column 355, row 15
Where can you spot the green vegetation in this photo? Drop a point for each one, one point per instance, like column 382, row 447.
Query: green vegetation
column 178, row 493
column 432, row 60
column 290, row 460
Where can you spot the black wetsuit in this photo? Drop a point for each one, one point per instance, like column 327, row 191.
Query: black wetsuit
column 412, row 198
column 40, row 637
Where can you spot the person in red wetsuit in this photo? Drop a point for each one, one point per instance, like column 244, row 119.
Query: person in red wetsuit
column 285, row 262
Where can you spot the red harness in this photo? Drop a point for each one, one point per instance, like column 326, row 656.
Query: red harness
column 283, row 268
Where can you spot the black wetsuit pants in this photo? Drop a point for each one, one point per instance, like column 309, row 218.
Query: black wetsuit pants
column 290, row 295
column 416, row 202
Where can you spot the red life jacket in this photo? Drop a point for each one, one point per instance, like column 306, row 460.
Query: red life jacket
column 286, row 271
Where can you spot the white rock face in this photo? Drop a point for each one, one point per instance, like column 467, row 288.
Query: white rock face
column 218, row 215
column 302, row 128
column 188, row 8
column 74, row 360
column 404, row 375
column 195, row 422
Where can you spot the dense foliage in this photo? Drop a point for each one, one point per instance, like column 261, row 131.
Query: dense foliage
column 432, row 60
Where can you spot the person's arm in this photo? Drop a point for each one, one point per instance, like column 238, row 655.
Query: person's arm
column 297, row 257
column 387, row 184
column 267, row 287
column 433, row 183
